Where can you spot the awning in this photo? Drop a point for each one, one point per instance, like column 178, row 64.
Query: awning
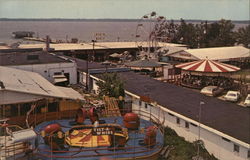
column 59, row 78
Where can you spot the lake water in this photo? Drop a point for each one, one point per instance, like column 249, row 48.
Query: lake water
column 83, row 30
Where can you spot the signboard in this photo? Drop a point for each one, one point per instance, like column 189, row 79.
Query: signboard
column 102, row 131
column 99, row 36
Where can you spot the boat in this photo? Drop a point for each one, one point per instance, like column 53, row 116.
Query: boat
column 22, row 34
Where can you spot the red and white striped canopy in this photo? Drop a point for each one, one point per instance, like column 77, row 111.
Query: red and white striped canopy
column 207, row 66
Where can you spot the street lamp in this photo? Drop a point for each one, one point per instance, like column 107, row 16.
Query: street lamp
column 198, row 152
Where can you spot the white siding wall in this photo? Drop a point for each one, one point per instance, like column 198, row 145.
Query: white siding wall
column 48, row 70
column 9, row 97
column 95, row 86
column 214, row 143
column 82, row 78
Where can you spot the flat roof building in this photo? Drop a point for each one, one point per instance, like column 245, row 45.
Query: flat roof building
column 46, row 64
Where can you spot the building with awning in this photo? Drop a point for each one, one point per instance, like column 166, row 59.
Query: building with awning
column 58, row 79
column 20, row 89
column 223, row 54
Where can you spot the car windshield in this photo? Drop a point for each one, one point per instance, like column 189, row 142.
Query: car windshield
column 232, row 95
column 248, row 98
column 210, row 89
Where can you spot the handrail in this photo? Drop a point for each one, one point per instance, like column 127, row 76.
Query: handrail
column 103, row 154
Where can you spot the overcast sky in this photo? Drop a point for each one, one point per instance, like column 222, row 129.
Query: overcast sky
column 126, row 9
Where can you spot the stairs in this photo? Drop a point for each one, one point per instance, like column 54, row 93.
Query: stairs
column 111, row 107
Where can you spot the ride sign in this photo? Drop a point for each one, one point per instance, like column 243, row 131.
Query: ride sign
column 102, row 131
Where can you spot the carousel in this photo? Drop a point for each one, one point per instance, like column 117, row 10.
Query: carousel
column 198, row 74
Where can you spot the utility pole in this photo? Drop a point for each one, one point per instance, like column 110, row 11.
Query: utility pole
column 87, row 73
column 87, row 64
column 93, row 44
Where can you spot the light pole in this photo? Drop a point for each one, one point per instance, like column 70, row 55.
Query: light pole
column 198, row 151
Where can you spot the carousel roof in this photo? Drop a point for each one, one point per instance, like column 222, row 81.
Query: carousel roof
column 207, row 66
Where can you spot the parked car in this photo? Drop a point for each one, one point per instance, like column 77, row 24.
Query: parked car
column 247, row 101
column 232, row 96
column 212, row 91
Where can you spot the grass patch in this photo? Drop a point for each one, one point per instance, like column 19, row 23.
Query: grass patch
column 183, row 150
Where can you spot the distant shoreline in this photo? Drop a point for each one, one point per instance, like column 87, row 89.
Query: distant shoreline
column 108, row 20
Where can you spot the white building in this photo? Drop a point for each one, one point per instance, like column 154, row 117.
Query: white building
column 223, row 127
column 52, row 67
column 216, row 53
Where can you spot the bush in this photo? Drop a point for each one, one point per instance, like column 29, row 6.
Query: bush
column 183, row 150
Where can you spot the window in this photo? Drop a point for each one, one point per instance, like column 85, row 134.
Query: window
column 24, row 108
column 40, row 108
column 146, row 105
column 14, row 110
column 53, row 107
column 32, row 57
column 170, row 114
column 139, row 103
column 225, row 139
column 178, row 120
column 58, row 73
column 193, row 124
column 236, row 148
column 186, row 124
column 248, row 154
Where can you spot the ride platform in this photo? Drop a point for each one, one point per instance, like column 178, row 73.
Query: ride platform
column 81, row 143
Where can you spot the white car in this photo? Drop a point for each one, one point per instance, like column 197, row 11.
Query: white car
column 232, row 96
column 212, row 91
column 247, row 101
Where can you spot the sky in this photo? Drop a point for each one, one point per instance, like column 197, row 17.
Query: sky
column 126, row 9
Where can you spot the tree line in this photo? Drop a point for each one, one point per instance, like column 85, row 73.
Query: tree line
column 203, row 35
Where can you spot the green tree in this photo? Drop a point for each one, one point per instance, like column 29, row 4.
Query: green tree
column 220, row 34
column 187, row 34
column 111, row 85
column 243, row 36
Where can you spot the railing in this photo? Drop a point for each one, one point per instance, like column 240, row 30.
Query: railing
column 14, row 149
column 146, row 148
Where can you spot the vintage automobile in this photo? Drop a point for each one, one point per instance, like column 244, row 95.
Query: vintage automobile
column 212, row 91
column 247, row 101
column 232, row 96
